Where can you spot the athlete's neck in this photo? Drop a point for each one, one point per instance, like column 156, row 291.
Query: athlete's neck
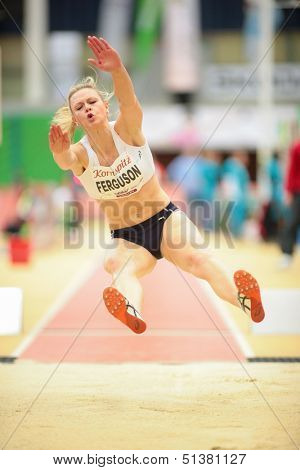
column 101, row 140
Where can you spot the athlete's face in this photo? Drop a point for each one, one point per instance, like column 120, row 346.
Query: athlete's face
column 88, row 108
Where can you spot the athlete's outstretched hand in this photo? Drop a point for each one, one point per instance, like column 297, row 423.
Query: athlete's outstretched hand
column 59, row 141
column 107, row 58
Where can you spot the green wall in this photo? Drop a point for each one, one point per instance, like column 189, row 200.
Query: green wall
column 24, row 152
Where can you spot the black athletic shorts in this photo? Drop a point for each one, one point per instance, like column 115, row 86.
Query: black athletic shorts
column 148, row 233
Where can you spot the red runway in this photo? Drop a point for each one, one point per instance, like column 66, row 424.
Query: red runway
column 183, row 325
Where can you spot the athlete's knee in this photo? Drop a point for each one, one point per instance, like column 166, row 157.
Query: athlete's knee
column 114, row 265
column 197, row 262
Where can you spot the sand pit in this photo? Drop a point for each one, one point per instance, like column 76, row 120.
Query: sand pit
column 150, row 406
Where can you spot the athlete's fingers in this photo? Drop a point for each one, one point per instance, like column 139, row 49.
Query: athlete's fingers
column 93, row 42
column 60, row 133
column 50, row 139
column 54, row 133
column 103, row 41
column 58, row 136
column 90, row 41
column 66, row 137
column 91, row 46
column 50, row 133
column 98, row 43
column 95, row 49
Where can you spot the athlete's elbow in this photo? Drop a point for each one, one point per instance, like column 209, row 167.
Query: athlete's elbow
column 63, row 165
column 131, row 105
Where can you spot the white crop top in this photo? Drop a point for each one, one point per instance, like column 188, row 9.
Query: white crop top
column 128, row 173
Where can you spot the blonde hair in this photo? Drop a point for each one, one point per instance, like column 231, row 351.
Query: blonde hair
column 64, row 117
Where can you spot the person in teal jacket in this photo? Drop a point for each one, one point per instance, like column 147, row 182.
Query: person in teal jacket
column 235, row 181
column 275, row 174
column 209, row 177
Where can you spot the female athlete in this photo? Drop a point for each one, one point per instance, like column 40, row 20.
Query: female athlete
column 114, row 164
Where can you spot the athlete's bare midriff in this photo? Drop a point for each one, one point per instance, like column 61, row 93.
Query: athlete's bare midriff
column 131, row 210
column 135, row 209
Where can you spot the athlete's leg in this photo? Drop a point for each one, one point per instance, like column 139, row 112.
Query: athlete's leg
column 183, row 245
column 127, row 262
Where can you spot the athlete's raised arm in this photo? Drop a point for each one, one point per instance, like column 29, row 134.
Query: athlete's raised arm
column 107, row 59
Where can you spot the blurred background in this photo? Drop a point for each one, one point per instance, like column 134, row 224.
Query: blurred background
column 219, row 82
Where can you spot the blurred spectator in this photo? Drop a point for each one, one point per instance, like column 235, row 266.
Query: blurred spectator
column 184, row 170
column 68, row 209
column 198, row 175
column 272, row 210
column 42, row 215
column 235, row 190
column 19, row 223
column 208, row 179
column 291, row 225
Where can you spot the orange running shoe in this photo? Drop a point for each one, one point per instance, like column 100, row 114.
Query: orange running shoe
column 121, row 308
column 249, row 295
